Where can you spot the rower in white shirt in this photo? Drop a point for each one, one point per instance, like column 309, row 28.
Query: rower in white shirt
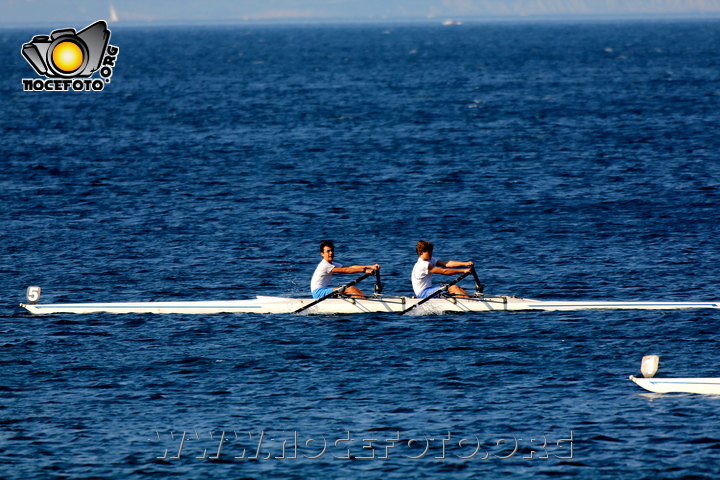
column 427, row 265
column 319, row 285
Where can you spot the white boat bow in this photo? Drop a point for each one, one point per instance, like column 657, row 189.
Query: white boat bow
column 708, row 386
column 649, row 366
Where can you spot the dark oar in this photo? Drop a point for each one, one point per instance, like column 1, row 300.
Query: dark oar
column 479, row 287
column 334, row 293
column 442, row 289
column 378, row 283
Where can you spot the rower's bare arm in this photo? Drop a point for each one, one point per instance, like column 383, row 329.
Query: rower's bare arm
column 454, row 264
column 356, row 269
column 447, row 271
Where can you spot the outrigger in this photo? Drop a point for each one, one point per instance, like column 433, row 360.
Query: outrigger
column 339, row 303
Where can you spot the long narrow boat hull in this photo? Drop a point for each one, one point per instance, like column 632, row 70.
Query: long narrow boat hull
column 709, row 386
column 349, row 305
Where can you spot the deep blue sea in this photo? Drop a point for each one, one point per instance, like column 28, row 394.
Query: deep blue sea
column 567, row 160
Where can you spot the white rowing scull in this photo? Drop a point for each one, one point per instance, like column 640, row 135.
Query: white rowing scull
column 348, row 305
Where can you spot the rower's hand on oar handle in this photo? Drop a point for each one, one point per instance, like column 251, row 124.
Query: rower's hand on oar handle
column 469, row 264
column 371, row 268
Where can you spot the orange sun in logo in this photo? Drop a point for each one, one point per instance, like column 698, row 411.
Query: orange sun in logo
column 67, row 56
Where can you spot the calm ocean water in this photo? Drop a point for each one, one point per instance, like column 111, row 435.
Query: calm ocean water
column 569, row 161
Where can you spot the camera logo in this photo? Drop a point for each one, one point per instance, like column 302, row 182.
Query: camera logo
column 66, row 57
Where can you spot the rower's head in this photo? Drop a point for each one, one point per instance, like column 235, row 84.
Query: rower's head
column 423, row 246
column 327, row 250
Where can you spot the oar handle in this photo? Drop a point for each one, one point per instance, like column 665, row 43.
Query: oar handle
column 479, row 287
column 441, row 290
column 334, row 293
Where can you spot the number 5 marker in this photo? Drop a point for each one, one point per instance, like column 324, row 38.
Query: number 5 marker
column 33, row 295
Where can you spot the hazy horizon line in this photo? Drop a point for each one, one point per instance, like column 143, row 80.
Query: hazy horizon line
column 385, row 20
